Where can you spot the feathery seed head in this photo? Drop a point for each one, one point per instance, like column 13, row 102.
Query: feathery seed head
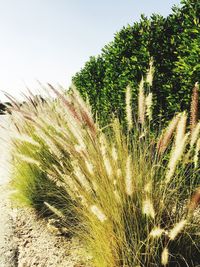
column 166, row 137
column 141, row 103
column 194, row 107
column 156, row 232
column 149, row 102
column 148, row 187
column 25, row 138
column 114, row 153
column 180, row 132
column 148, row 208
column 79, row 148
column 49, row 141
column 194, row 201
column 129, row 178
column 150, row 73
column 90, row 167
column 165, row 256
column 103, row 144
column 81, row 177
column 55, row 210
column 27, row 159
column 195, row 134
column 75, row 129
column 98, row 213
column 177, row 229
column 84, row 110
column 129, row 118
column 196, row 156
column 108, row 166
column 175, row 157
column 71, row 185
column 104, row 149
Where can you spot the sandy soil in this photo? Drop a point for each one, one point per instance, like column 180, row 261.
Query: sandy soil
column 7, row 245
column 26, row 241
column 38, row 246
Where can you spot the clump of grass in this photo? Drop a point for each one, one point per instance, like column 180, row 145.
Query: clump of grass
column 32, row 163
column 130, row 191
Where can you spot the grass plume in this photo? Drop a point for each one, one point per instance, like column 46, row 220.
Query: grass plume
column 194, row 107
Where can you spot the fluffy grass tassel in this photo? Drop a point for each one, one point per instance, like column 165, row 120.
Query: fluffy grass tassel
column 194, row 107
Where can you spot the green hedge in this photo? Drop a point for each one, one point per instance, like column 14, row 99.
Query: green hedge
column 174, row 44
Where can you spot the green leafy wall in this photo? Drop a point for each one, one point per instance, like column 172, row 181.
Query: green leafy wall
column 173, row 43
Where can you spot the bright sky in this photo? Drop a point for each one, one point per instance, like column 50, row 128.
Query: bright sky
column 50, row 40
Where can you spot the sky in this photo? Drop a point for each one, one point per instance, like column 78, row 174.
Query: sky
column 50, row 40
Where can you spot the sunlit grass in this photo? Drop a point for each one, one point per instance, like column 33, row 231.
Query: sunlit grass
column 134, row 194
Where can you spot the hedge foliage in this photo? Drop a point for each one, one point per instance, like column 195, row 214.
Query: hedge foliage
column 173, row 43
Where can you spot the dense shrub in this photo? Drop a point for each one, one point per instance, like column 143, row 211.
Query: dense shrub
column 173, row 43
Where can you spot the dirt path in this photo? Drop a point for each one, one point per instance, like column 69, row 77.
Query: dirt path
column 7, row 244
column 38, row 246
column 8, row 248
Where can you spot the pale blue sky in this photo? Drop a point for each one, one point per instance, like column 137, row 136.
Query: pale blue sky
column 49, row 40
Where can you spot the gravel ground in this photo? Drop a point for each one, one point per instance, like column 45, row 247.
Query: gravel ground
column 7, row 244
column 8, row 247
column 37, row 246
column 26, row 241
